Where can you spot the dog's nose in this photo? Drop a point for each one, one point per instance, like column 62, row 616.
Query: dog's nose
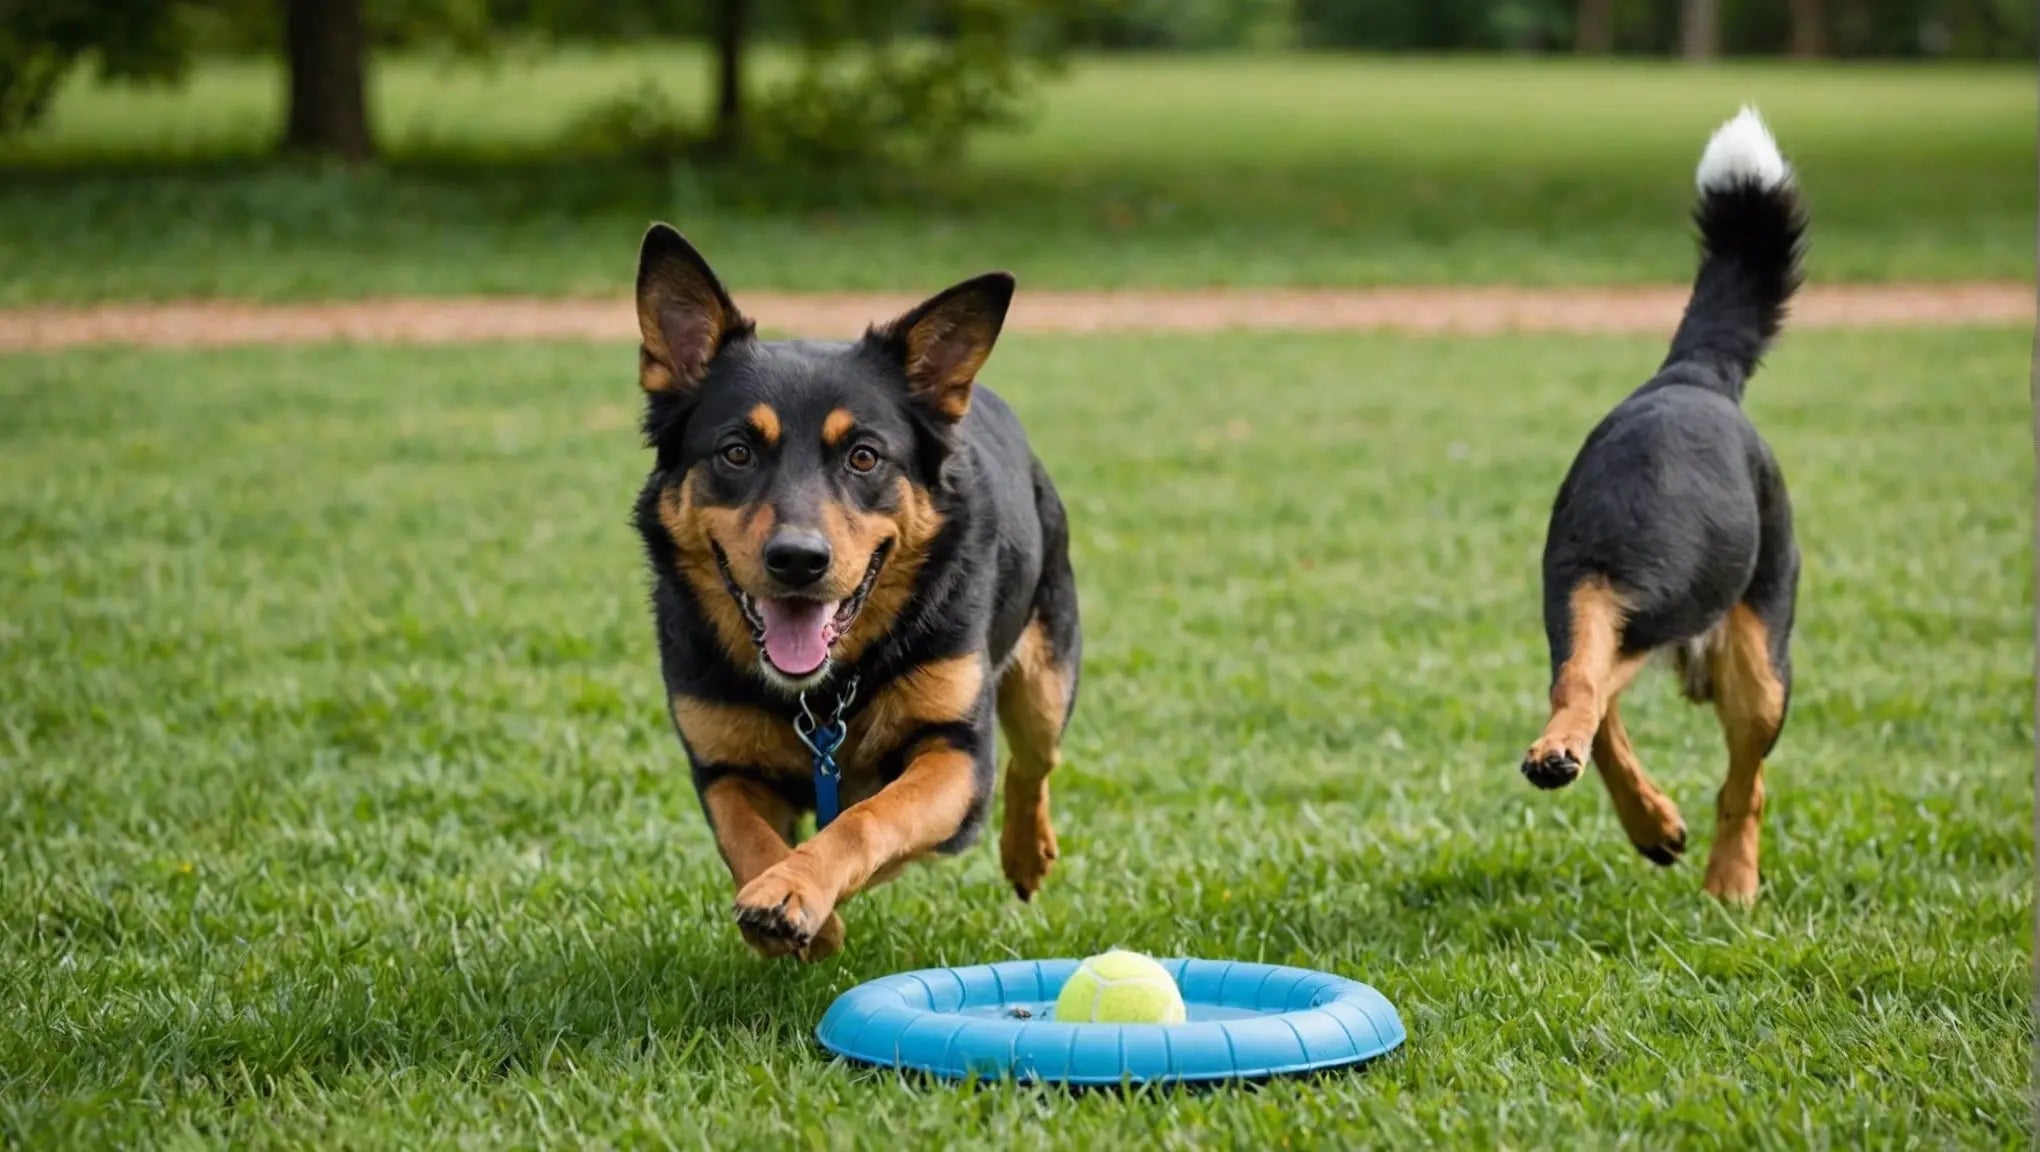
column 797, row 558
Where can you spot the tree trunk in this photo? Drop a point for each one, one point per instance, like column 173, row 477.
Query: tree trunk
column 1594, row 28
column 1700, row 29
column 730, row 31
column 1809, row 30
column 326, row 48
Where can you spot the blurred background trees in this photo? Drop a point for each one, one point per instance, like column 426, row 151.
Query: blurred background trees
column 908, row 78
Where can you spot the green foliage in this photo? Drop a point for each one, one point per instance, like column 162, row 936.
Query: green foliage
column 1975, row 28
column 892, row 106
column 894, row 102
column 881, row 81
column 339, row 807
column 1139, row 25
column 255, row 27
column 1854, row 28
column 1432, row 25
column 643, row 123
column 875, row 83
column 41, row 40
column 1298, row 169
column 154, row 41
column 886, row 80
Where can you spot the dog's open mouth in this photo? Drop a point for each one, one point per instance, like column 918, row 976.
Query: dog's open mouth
column 795, row 632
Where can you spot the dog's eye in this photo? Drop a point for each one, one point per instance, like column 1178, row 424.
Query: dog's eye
column 737, row 455
column 863, row 459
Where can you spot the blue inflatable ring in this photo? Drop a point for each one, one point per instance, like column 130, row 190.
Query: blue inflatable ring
column 997, row 1021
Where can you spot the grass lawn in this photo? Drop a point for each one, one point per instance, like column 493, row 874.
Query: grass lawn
column 338, row 805
column 1140, row 171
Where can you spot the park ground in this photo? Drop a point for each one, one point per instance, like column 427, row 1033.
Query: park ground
column 340, row 807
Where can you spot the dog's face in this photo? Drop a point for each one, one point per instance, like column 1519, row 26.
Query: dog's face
column 800, row 473
column 798, row 482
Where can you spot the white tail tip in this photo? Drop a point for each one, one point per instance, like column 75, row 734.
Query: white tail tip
column 1740, row 151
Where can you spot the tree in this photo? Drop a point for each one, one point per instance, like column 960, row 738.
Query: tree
column 1594, row 28
column 1700, row 29
column 1809, row 29
column 731, row 28
column 873, row 81
column 325, row 46
column 324, row 42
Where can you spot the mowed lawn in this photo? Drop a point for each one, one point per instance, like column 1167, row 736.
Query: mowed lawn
column 1148, row 171
column 338, row 805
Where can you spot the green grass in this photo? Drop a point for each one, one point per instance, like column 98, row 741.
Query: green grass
column 338, row 806
column 1144, row 171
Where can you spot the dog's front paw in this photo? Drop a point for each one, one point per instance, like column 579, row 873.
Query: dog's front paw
column 785, row 910
column 826, row 943
column 1551, row 763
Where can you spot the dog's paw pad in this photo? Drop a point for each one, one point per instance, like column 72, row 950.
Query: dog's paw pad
column 777, row 916
column 769, row 936
column 1553, row 769
column 771, row 923
column 826, row 943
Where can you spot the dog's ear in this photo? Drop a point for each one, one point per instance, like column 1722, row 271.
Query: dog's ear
column 945, row 341
column 684, row 316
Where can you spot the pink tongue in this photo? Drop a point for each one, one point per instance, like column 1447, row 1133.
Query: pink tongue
column 796, row 633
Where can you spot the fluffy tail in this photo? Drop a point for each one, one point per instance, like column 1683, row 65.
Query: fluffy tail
column 1752, row 235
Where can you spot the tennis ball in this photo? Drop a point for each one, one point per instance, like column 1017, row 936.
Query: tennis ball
column 1120, row 987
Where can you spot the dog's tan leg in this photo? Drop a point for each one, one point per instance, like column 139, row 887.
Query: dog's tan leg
column 1749, row 700
column 1594, row 672
column 794, row 899
column 1034, row 705
column 754, row 829
column 1648, row 815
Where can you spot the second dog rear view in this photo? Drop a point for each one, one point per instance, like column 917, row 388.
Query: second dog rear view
column 1672, row 531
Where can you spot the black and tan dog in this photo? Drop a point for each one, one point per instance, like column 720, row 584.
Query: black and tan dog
column 849, row 541
column 1673, row 531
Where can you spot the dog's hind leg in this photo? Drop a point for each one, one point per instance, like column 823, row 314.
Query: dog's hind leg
column 1751, row 670
column 1750, row 687
column 1037, row 693
column 1589, row 669
column 1035, row 698
column 1648, row 815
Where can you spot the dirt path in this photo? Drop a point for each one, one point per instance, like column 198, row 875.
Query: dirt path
column 1471, row 310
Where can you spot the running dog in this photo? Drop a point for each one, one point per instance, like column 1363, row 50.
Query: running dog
column 857, row 563
column 1673, row 532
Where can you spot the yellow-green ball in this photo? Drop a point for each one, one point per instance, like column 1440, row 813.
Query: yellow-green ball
column 1120, row 987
